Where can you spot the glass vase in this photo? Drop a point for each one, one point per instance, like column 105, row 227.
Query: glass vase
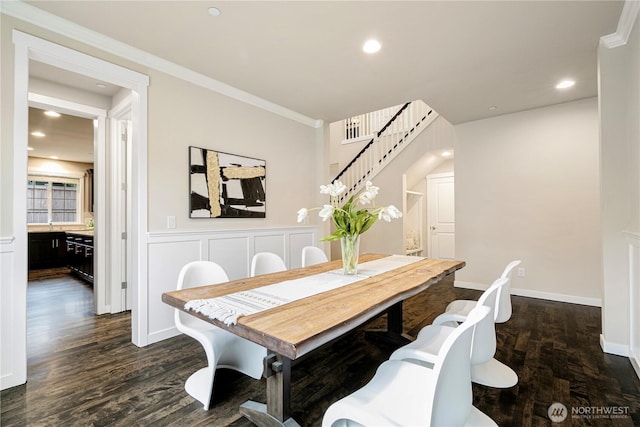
column 350, row 246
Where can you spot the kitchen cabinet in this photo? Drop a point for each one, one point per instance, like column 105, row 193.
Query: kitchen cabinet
column 46, row 250
column 79, row 248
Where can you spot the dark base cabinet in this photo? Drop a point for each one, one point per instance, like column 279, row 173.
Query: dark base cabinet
column 80, row 255
column 47, row 250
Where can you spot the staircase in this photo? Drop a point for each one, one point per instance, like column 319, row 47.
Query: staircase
column 405, row 125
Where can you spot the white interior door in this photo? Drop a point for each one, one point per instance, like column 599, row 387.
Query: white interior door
column 120, row 206
column 441, row 216
column 125, row 213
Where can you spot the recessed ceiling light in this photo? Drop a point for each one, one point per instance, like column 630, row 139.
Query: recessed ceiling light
column 52, row 113
column 101, row 85
column 565, row 84
column 38, row 134
column 54, row 157
column 371, row 46
column 492, row 107
column 446, row 153
column 214, row 11
column 30, row 148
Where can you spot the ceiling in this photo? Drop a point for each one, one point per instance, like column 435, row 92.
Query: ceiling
column 66, row 137
column 459, row 57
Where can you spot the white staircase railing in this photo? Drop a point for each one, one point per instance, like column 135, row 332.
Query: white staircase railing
column 365, row 127
column 389, row 141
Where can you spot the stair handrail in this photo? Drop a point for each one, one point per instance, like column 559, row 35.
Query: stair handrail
column 408, row 122
column 370, row 143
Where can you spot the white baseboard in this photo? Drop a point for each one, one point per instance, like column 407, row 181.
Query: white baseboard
column 636, row 366
column 614, row 348
column 594, row 302
column 163, row 334
column 10, row 380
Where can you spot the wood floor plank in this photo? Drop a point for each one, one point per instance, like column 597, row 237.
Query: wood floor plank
column 83, row 369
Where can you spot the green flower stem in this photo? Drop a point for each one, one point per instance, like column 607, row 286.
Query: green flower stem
column 350, row 245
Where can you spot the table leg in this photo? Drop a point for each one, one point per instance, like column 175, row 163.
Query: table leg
column 277, row 411
column 394, row 319
column 393, row 334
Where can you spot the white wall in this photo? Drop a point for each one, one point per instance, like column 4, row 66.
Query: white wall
column 386, row 237
column 54, row 90
column 42, row 165
column 182, row 114
column 527, row 187
column 179, row 114
column 619, row 90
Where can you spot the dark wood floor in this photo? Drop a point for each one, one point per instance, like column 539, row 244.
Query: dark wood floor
column 83, row 370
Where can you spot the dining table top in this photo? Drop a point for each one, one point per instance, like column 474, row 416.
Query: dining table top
column 298, row 327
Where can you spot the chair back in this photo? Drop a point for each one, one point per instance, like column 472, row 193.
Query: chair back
column 265, row 263
column 490, row 298
column 193, row 274
column 313, row 255
column 504, row 313
column 484, row 336
column 451, row 391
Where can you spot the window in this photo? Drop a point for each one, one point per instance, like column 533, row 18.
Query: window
column 53, row 200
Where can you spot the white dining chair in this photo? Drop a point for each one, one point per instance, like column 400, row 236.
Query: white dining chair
column 485, row 369
column 265, row 263
column 406, row 394
column 313, row 255
column 223, row 349
column 463, row 306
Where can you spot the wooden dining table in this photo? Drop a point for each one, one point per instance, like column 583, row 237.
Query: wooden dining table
column 299, row 327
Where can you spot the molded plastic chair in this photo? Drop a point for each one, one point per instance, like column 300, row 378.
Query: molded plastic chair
column 265, row 263
column 463, row 307
column 406, row 394
column 313, row 255
column 484, row 368
column 223, row 349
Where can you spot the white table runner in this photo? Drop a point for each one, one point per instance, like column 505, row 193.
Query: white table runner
column 229, row 308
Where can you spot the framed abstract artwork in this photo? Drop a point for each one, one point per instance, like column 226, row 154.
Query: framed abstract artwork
column 223, row 185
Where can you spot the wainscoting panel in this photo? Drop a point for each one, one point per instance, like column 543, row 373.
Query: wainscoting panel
column 232, row 253
column 13, row 358
column 232, row 249
column 165, row 261
column 297, row 241
column 272, row 243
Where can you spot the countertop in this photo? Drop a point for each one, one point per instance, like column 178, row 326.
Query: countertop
column 80, row 232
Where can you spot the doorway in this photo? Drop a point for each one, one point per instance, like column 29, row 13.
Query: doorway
column 29, row 48
column 441, row 225
column 88, row 254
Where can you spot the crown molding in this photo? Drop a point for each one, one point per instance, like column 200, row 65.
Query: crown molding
column 625, row 25
column 25, row 12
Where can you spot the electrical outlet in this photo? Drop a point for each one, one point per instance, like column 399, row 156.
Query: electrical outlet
column 521, row 272
column 171, row 222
